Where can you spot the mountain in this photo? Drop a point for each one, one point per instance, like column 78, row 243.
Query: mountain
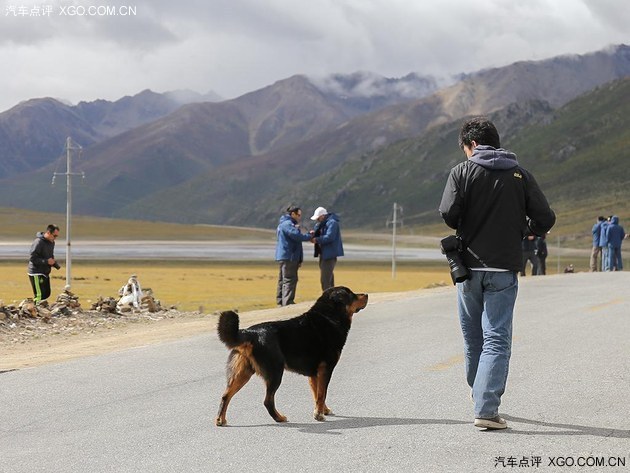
column 576, row 152
column 33, row 133
column 248, row 191
column 193, row 139
column 112, row 118
column 556, row 81
column 363, row 92
column 242, row 160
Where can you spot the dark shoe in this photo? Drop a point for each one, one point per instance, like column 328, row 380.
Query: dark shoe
column 495, row 423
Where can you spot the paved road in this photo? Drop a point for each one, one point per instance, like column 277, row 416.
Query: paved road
column 399, row 393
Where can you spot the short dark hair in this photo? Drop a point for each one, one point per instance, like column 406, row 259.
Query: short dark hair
column 480, row 130
column 293, row 209
column 601, row 218
column 52, row 228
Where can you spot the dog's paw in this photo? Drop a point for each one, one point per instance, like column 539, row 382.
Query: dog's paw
column 281, row 418
column 220, row 422
column 319, row 416
column 328, row 412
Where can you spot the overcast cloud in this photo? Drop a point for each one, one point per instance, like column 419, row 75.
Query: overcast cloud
column 62, row 49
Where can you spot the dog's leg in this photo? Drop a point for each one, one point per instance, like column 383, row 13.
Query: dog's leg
column 313, row 382
column 239, row 373
column 273, row 383
column 324, row 373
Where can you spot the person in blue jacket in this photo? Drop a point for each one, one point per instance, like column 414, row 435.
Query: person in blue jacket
column 603, row 242
column 597, row 249
column 328, row 244
column 289, row 254
column 614, row 237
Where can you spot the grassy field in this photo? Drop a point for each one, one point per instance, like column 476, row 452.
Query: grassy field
column 215, row 286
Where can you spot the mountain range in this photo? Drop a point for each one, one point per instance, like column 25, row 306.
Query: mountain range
column 353, row 143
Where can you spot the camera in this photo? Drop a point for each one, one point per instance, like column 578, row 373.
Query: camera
column 56, row 265
column 451, row 247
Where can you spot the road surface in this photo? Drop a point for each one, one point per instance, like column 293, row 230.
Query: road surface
column 399, row 394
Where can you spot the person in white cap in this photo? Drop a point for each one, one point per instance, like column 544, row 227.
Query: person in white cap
column 328, row 244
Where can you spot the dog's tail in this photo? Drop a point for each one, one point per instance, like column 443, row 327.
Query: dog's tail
column 228, row 329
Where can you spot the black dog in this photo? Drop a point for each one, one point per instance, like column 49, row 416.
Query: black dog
column 309, row 344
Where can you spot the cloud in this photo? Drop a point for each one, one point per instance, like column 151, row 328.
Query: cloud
column 236, row 46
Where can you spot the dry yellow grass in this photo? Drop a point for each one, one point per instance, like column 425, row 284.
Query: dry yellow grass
column 218, row 285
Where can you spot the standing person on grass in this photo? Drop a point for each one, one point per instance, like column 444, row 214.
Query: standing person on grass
column 597, row 249
column 289, row 254
column 328, row 245
column 41, row 260
column 491, row 201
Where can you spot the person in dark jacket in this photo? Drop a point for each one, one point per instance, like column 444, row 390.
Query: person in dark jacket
column 541, row 253
column 529, row 254
column 41, row 260
column 491, row 201
column 328, row 245
column 289, row 254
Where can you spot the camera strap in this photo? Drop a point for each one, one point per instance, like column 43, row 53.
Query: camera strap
column 469, row 250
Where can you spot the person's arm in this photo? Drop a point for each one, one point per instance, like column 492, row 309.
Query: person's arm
column 452, row 203
column 331, row 233
column 540, row 216
column 294, row 233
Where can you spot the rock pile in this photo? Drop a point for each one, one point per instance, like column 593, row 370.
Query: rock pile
column 66, row 304
column 110, row 305
column 25, row 321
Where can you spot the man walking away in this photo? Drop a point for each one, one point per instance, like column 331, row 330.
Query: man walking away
column 491, row 201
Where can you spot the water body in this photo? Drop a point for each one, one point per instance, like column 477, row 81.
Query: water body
column 218, row 251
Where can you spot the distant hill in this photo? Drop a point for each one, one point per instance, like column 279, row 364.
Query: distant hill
column 242, row 160
column 33, row 133
column 251, row 191
column 577, row 154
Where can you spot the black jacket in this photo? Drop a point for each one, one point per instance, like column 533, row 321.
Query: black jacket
column 41, row 251
column 492, row 201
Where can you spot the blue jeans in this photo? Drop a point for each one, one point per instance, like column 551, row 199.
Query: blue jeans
column 614, row 259
column 486, row 308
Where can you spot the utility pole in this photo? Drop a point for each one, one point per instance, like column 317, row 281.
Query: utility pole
column 394, row 223
column 70, row 145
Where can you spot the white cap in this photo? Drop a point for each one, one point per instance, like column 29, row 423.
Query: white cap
column 319, row 211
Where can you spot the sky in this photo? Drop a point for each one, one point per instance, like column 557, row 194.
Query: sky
column 83, row 50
